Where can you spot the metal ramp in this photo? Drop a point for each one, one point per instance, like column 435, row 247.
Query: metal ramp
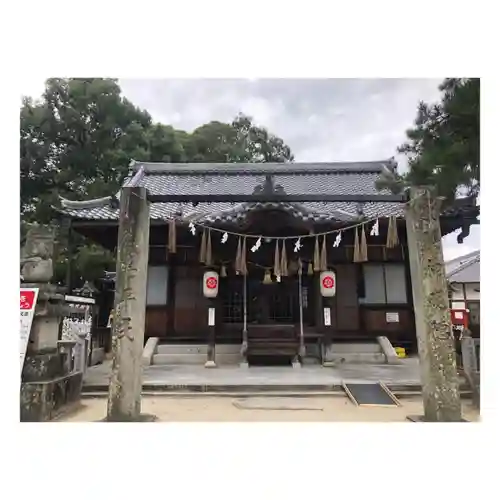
column 370, row 394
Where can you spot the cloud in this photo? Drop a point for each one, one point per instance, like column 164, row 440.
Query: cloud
column 320, row 119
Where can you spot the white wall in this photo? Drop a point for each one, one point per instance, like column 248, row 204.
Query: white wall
column 472, row 291
column 157, row 286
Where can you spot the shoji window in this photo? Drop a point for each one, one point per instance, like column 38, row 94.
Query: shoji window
column 157, row 286
column 384, row 284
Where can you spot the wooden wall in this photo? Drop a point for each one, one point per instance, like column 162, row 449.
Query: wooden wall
column 185, row 316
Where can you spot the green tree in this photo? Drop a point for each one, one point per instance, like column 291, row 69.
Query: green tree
column 78, row 140
column 238, row 142
column 443, row 156
column 443, row 146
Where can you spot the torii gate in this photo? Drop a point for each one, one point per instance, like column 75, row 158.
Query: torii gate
column 440, row 382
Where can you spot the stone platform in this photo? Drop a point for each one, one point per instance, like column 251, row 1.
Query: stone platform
column 182, row 378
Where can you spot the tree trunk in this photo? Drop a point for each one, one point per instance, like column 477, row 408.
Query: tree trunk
column 440, row 382
column 124, row 399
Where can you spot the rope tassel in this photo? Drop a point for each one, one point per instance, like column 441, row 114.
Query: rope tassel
column 356, row 257
column 203, row 247
column 208, row 250
column 284, row 265
column 172, row 237
column 237, row 263
column 243, row 261
column 324, row 257
column 316, row 260
column 277, row 270
column 392, row 233
column 363, row 251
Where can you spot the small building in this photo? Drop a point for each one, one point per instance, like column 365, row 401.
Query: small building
column 463, row 274
column 269, row 254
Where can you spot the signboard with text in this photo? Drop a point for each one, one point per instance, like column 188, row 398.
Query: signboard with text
column 29, row 297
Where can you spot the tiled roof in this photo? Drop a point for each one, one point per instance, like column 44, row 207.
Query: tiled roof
column 464, row 269
column 245, row 179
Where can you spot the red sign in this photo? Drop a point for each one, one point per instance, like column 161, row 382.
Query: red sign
column 212, row 283
column 328, row 282
column 27, row 299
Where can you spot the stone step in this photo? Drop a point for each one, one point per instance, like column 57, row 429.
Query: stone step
column 360, row 357
column 194, row 359
column 365, row 347
column 197, row 349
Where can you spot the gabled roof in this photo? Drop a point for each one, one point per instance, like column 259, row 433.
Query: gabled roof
column 464, row 269
column 357, row 178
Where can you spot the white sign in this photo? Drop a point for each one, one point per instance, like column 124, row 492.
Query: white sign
column 211, row 316
column 29, row 297
column 327, row 315
column 392, row 317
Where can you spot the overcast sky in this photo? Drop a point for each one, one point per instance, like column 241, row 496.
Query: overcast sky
column 320, row 119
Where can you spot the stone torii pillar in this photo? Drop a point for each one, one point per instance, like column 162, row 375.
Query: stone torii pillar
column 440, row 382
column 124, row 398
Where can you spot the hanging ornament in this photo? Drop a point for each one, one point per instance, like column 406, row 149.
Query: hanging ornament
column 374, row 231
column 208, row 250
column 338, row 239
column 203, row 247
column 192, row 228
column 356, row 257
column 323, row 260
column 276, row 269
column 316, row 262
column 392, row 233
column 278, row 279
column 283, row 264
column 237, row 262
column 224, row 238
column 363, row 250
column 243, row 262
column 256, row 246
column 172, row 243
column 298, row 246
column 267, row 278
column 223, row 271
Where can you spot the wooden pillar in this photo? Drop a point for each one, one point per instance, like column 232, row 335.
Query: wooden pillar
column 124, row 398
column 440, row 382
column 69, row 266
column 172, row 278
column 211, row 310
column 244, row 340
column 302, row 347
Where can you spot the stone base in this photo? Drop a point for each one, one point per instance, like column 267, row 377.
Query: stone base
column 44, row 400
column 328, row 364
column 421, row 418
column 210, row 364
column 143, row 417
column 244, row 364
column 43, row 366
column 296, row 364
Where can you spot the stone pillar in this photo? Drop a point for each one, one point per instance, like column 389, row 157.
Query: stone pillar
column 124, row 398
column 440, row 382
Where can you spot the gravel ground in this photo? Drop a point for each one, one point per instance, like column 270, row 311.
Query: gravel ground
column 261, row 409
